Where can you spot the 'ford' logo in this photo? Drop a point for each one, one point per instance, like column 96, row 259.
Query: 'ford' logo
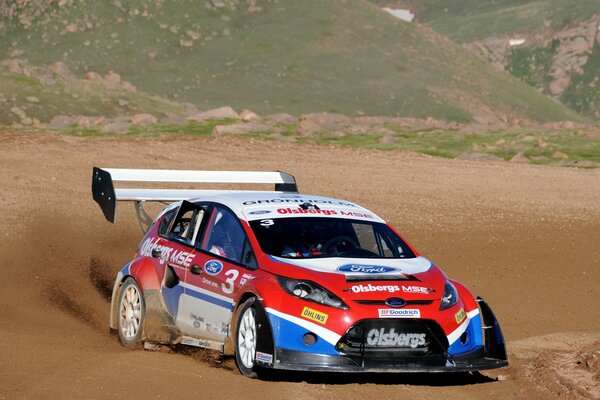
column 395, row 302
column 259, row 212
column 366, row 269
column 213, row 267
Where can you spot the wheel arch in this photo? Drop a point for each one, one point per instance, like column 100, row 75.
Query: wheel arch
column 144, row 275
column 266, row 340
column 114, row 299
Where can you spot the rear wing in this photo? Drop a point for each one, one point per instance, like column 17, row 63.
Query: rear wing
column 106, row 195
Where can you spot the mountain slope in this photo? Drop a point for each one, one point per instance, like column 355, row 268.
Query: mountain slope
column 465, row 21
column 286, row 55
column 556, row 43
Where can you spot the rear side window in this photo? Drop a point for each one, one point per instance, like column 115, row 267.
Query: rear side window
column 186, row 226
column 165, row 222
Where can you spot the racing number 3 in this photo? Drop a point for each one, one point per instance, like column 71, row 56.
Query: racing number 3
column 229, row 283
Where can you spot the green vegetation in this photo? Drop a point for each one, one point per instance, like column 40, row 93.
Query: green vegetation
column 42, row 95
column 564, row 147
column 191, row 128
column 583, row 94
column 289, row 56
column 469, row 20
column 532, row 64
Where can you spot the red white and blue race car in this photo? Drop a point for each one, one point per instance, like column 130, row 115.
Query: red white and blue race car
column 288, row 281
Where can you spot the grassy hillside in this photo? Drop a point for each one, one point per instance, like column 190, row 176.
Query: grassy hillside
column 42, row 94
column 271, row 56
column 469, row 20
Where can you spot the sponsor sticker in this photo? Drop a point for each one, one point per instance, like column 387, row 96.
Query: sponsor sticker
column 224, row 328
column 246, row 278
column 168, row 254
column 297, row 200
column 285, row 211
column 382, row 337
column 374, row 288
column 366, row 269
column 213, row 267
column 259, row 212
column 314, row 315
column 417, row 290
column 264, row 357
column 195, row 342
column 210, row 283
column 356, row 214
column 460, row 316
column 399, row 313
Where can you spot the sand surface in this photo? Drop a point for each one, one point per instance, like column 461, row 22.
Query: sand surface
column 526, row 238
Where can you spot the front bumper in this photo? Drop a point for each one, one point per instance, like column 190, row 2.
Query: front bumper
column 486, row 349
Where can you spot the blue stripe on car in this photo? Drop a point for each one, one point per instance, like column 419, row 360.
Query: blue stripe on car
column 288, row 335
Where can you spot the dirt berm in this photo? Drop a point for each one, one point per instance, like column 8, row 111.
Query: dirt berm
column 526, row 238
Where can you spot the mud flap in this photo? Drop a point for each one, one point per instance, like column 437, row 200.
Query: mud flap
column 265, row 344
column 264, row 332
column 493, row 339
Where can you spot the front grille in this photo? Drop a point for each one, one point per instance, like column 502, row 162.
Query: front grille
column 382, row 302
column 394, row 341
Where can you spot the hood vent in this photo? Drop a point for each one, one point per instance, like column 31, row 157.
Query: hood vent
column 383, row 277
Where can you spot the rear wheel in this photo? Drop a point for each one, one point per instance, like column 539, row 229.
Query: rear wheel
column 246, row 338
column 130, row 325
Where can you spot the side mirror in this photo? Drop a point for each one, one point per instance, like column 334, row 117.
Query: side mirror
column 156, row 253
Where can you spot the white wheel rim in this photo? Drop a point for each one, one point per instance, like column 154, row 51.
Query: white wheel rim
column 247, row 338
column 130, row 313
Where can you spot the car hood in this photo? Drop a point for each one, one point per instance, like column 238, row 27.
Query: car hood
column 363, row 269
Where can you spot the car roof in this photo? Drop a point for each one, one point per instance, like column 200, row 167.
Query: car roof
column 251, row 206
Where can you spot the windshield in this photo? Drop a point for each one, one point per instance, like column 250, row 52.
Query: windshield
column 308, row 237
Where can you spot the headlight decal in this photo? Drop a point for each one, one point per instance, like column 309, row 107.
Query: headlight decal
column 450, row 296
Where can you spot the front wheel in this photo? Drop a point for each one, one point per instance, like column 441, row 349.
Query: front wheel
column 131, row 314
column 246, row 338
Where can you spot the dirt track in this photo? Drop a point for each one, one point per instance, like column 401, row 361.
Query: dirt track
column 523, row 237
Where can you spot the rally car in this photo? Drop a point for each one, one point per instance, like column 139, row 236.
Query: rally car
column 288, row 281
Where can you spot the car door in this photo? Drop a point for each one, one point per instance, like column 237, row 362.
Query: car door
column 178, row 231
column 226, row 261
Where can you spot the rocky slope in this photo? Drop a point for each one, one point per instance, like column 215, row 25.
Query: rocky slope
column 551, row 45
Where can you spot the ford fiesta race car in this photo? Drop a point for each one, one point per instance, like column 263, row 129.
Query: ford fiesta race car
column 288, row 281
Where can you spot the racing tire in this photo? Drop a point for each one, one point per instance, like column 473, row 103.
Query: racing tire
column 131, row 314
column 246, row 339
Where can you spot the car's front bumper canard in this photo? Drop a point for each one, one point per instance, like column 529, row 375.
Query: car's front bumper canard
column 301, row 361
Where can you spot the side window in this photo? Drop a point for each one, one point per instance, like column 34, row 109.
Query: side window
column 387, row 252
column 226, row 237
column 165, row 222
column 187, row 223
column 392, row 245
